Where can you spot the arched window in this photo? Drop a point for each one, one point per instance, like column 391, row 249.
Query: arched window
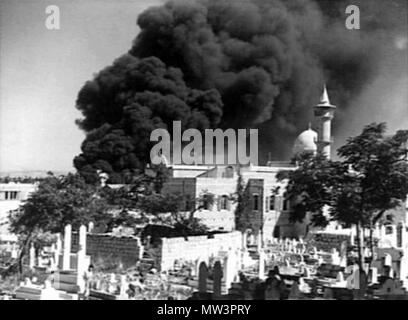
column 229, row 172
column 206, row 202
column 224, row 202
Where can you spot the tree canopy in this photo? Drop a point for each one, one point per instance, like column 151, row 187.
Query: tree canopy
column 370, row 178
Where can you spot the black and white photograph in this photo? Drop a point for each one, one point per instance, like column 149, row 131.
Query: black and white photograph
column 204, row 150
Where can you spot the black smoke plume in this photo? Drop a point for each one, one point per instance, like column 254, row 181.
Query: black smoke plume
column 230, row 64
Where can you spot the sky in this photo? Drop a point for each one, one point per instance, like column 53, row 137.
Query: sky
column 41, row 72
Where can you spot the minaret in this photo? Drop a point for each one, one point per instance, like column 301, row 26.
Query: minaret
column 324, row 113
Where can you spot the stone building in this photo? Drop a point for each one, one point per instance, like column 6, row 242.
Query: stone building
column 268, row 210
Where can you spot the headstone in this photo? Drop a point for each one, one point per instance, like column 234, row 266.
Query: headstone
column 294, row 291
column 373, row 275
column 367, row 252
column 47, row 284
column 59, row 244
column 328, row 294
column 32, row 257
column 217, row 277
column 390, row 272
column 202, row 277
column 352, row 236
column 112, row 283
column 343, row 262
column 387, row 260
column 261, row 269
column 141, row 248
column 67, row 247
column 259, row 242
column 91, row 226
column 123, row 285
column 14, row 252
column 353, row 281
column 27, row 282
column 230, row 269
column 335, row 257
column 81, row 262
column 340, row 277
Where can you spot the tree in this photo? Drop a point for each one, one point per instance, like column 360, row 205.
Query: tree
column 370, row 178
column 242, row 198
column 59, row 200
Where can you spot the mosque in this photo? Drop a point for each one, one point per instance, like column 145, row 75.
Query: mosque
column 268, row 211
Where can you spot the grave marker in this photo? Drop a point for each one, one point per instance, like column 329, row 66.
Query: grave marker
column 261, row 269
column 217, row 276
column 67, row 247
column 32, row 257
column 202, row 277
column 81, row 267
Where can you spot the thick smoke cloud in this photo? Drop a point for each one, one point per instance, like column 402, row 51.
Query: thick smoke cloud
column 239, row 64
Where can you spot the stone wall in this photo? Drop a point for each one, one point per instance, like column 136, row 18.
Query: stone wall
column 109, row 248
column 325, row 241
column 196, row 248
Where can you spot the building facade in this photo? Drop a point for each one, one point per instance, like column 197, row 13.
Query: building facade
column 12, row 196
column 268, row 210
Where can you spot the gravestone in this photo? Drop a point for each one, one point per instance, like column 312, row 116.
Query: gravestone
column 91, row 226
column 261, row 268
column 32, row 257
column 14, row 252
column 230, row 268
column 67, row 247
column 202, row 277
column 217, row 277
column 387, row 260
column 353, row 281
column 123, row 285
column 335, row 257
column 340, row 277
column 373, row 275
column 81, row 261
column 294, row 292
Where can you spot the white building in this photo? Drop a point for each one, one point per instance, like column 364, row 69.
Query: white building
column 11, row 197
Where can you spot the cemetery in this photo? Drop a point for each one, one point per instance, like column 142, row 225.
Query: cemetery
column 225, row 266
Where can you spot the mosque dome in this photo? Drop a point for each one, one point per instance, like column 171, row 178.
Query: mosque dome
column 306, row 142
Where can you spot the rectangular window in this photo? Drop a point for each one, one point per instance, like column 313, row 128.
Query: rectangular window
column 272, row 202
column 256, row 202
column 224, row 202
